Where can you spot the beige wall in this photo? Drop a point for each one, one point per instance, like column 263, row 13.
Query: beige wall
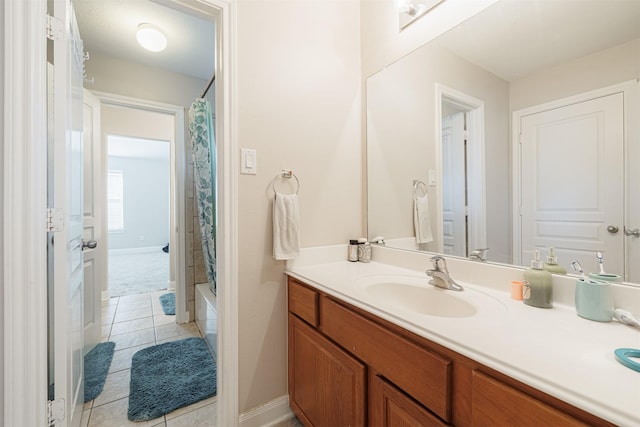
column 299, row 107
column 402, row 143
column 608, row 67
column 120, row 77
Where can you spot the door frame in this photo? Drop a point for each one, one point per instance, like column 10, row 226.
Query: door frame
column 626, row 88
column 474, row 109
column 24, row 190
column 178, row 166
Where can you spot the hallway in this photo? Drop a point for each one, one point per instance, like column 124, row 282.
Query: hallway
column 135, row 322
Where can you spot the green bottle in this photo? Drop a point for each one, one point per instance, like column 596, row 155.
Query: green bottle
column 552, row 265
column 538, row 287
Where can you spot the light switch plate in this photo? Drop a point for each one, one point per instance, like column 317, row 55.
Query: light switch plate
column 248, row 161
column 432, row 178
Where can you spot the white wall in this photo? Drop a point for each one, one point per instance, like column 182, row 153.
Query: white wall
column 146, row 202
column 299, row 103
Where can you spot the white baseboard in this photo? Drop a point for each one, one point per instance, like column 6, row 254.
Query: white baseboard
column 269, row 414
column 172, row 285
column 105, row 296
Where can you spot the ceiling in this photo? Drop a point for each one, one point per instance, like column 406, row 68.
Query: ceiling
column 516, row 38
column 109, row 27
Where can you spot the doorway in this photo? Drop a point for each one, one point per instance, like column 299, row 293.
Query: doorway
column 139, row 206
column 461, row 159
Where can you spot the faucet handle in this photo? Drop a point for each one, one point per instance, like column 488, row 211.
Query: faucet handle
column 439, row 263
column 480, row 254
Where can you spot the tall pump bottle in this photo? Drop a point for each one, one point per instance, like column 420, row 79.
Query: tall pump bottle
column 552, row 265
column 538, row 284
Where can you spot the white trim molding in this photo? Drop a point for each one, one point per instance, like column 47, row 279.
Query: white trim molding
column 24, row 278
column 270, row 414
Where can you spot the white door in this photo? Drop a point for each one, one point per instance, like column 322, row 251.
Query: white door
column 95, row 245
column 67, row 196
column 570, row 204
column 454, row 223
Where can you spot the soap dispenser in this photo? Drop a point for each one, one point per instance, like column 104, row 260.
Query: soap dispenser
column 537, row 287
column 552, row 265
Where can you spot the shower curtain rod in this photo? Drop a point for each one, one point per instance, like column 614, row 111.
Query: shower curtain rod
column 213, row 78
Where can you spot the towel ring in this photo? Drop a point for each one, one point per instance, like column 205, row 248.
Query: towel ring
column 286, row 174
column 417, row 184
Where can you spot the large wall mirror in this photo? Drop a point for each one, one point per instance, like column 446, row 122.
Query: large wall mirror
column 517, row 130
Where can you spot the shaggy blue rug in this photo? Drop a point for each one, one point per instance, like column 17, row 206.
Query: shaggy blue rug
column 96, row 366
column 169, row 376
column 168, row 303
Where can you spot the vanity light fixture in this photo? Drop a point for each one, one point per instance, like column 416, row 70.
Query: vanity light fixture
column 151, row 38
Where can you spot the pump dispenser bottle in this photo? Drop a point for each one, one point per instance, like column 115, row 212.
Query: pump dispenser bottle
column 537, row 287
column 552, row 265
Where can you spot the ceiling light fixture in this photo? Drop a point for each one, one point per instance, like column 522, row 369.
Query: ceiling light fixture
column 151, row 38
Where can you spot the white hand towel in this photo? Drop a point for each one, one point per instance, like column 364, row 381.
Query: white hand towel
column 286, row 226
column 421, row 220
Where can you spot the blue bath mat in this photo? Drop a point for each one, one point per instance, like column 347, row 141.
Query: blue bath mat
column 168, row 302
column 169, row 376
column 96, row 366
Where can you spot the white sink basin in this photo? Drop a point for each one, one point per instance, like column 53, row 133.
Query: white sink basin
column 415, row 294
column 431, row 301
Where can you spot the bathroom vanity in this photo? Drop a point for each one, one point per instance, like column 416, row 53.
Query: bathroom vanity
column 361, row 357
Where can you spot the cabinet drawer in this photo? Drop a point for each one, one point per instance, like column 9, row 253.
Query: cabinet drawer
column 495, row 403
column 424, row 375
column 303, row 302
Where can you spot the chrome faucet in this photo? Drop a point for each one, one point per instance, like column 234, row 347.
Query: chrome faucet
column 440, row 275
column 479, row 254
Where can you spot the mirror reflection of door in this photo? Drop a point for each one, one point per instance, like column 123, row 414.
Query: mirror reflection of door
column 463, row 224
column 454, row 183
column 570, row 204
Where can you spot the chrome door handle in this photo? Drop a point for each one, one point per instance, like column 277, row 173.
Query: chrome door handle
column 91, row 244
column 635, row 232
column 613, row 229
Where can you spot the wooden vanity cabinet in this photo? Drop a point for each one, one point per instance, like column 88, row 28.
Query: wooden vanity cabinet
column 348, row 367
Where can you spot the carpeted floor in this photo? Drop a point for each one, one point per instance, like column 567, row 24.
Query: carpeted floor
column 96, row 366
column 168, row 376
column 135, row 273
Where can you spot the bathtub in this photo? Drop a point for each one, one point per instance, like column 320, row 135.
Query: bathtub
column 207, row 316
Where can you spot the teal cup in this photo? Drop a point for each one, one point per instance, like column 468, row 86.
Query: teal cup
column 594, row 300
column 605, row 277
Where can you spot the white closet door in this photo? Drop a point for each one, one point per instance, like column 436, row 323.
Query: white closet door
column 569, row 204
column 454, row 223
column 94, row 258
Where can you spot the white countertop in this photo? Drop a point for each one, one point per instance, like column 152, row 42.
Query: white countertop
column 553, row 350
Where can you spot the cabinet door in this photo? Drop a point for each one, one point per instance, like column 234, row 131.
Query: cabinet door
column 390, row 407
column 494, row 403
column 326, row 385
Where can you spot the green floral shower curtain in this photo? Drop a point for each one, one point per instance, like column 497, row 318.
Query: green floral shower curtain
column 204, row 164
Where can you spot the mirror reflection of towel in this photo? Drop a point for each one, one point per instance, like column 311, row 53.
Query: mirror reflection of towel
column 421, row 220
column 286, row 226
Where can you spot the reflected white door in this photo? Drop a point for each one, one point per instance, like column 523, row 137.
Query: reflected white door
column 454, row 221
column 94, row 258
column 67, row 197
column 570, row 204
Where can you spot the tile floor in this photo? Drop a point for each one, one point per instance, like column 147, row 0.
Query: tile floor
column 134, row 322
